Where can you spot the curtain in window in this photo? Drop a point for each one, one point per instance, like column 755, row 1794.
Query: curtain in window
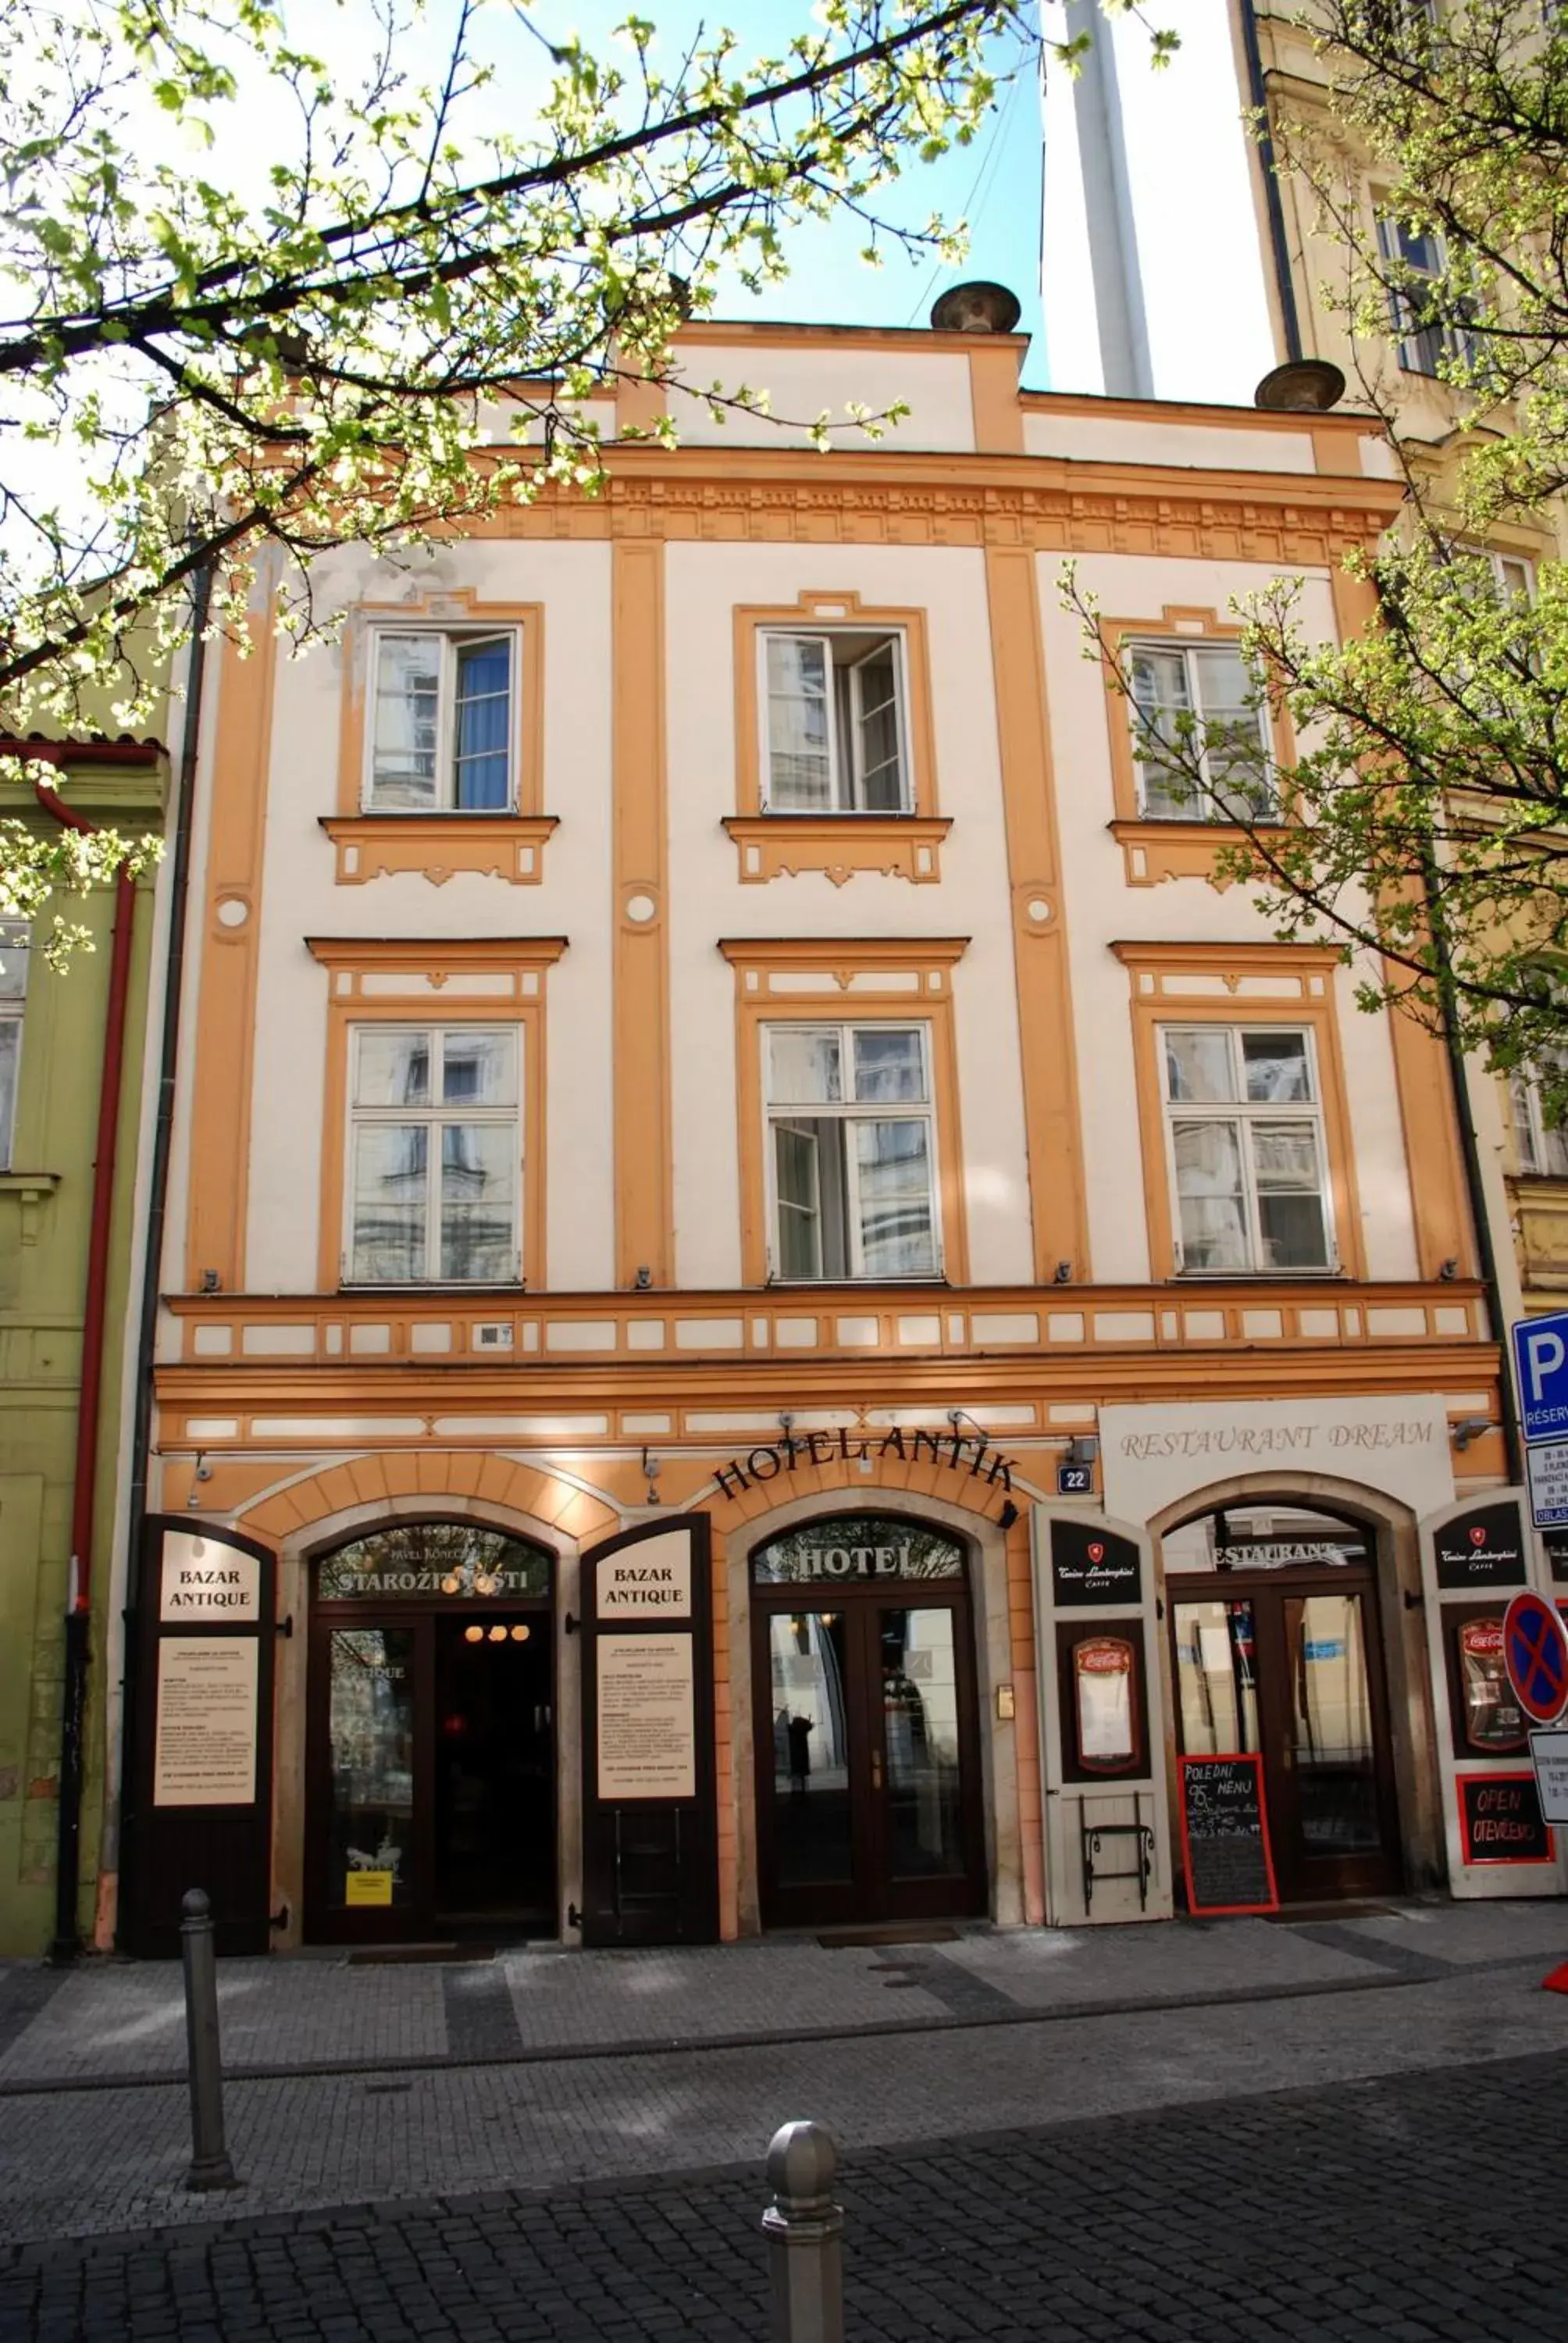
column 484, row 715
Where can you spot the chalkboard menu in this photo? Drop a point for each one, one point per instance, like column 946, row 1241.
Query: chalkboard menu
column 1484, row 1547
column 1225, row 1835
column 1092, row 1566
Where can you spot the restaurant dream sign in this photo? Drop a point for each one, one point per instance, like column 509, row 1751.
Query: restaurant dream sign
column 1151, row 1457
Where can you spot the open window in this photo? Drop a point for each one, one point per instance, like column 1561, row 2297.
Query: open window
column 443, row 728
column 1428, row 325
column 835, row 724
column 1191, row 707
column 12, row 1001
column 435, row 1156
column 852, row 1150
column 1245, row 1136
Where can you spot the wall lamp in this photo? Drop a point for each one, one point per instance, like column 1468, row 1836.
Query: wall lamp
column 651, row 1469
column 1467, row 1430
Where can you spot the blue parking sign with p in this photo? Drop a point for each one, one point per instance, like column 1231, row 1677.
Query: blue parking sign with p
column 1541, row 1363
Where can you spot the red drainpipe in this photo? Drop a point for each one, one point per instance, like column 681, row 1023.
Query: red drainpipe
column 85, row 1487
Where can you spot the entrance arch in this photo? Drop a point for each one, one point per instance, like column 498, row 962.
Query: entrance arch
column 1293, row 1632
column 430, row 1766
column 865, row 1719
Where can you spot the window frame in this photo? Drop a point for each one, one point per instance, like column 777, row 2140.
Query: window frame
column 372, row 981
column 1447, row 339
column 15, row 936
column 843, row 805
column 1530, row 1131
column 1205, row 809
column 452, row 635
column 434, row 1116
column 1247, row 1112
column 850, row 1112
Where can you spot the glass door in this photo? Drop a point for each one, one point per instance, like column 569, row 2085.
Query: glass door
column 867, row 1771
column 1335, row 1787
column 817, row 1803
column 1292, row 1669
column 371, row 1852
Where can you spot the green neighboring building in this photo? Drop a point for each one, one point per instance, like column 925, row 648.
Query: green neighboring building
column 52, row 1041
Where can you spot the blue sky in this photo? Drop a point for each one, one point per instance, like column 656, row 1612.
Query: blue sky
column 994, row 183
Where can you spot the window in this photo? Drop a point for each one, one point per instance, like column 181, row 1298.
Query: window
column 833, row 723
column 1415, row 258
column 13, row 994
column 442, row 734
column 1191, row 701
column 1542, row 1145
column 1245, row 1136
column 434, row 1156
column 852, row 1150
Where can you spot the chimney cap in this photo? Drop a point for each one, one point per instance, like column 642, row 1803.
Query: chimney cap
column 978, row 307
column 1300, row 386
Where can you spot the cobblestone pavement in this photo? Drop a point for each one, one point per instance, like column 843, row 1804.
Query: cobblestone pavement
column 78, row 2160
column 1418, row 2208
column 109, row 2022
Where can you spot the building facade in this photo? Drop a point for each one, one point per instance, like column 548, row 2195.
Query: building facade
column 777, row 1311
column 70, row 1100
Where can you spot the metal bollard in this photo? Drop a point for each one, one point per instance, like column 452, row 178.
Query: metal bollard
column 805, row 2233
column 209, row 2164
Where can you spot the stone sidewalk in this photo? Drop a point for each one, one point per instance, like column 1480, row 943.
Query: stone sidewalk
column 1419, row 2209
column 108, row 2022
column 990, row 2030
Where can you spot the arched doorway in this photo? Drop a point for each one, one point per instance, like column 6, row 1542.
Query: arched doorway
column 430, row 1803
column 867, row 1730
column 1277, row 1649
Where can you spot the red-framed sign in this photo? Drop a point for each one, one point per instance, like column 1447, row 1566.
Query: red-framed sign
column 1499, row 1819
column 1225, row 1849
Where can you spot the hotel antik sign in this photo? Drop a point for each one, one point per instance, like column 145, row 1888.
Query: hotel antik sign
column 952, row 1452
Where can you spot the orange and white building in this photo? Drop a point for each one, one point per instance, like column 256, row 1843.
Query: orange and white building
column 698, row 1021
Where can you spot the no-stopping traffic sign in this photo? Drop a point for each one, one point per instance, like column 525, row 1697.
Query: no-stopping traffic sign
column 1536, row 1653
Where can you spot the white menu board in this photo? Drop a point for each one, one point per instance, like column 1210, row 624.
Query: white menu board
column 646, row 1717
column 205, row 1746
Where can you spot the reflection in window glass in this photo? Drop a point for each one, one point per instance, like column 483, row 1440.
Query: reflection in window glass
column 1216, row 1679
column 854, row 1187
column 807, row 1672
column 371, row 1735
column 920, row 1728
column 1335, row 1771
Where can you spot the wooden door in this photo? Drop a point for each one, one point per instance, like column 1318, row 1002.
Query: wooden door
column 1290, row 1666
column 866, row 1757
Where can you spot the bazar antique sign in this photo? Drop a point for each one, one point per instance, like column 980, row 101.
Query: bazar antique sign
column 953, row 1451
column 206, row 1578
